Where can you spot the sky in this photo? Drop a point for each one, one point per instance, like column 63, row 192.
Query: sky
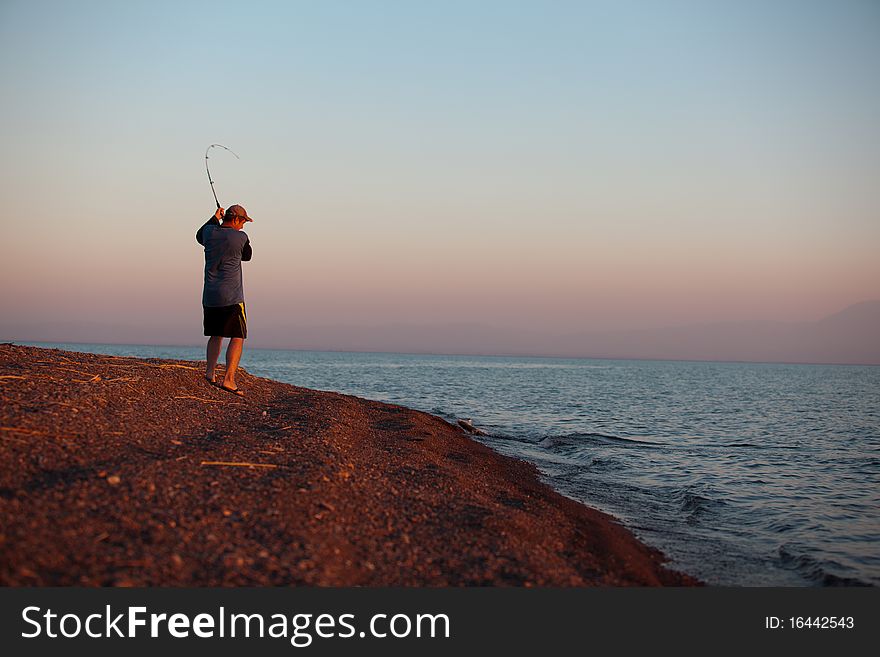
column 553, row 167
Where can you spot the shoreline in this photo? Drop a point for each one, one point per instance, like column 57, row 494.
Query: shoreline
column 122, row 471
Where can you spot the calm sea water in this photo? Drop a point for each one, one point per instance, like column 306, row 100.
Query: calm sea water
column 743, row 474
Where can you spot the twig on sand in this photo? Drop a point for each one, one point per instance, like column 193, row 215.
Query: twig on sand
column 181, row 367
column 94, row 379
column 30, row 432
column 33, row 432
column 51, row 378
column 201, row 399
column 233, row 464
column 12, row 376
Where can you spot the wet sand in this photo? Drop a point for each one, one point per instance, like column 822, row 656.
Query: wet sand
column 138, row 472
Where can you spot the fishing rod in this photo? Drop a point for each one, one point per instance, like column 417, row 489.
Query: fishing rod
column 209, row 171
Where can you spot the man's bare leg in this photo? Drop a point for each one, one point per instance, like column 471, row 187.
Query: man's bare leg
column 215, row 343
column 233, row 355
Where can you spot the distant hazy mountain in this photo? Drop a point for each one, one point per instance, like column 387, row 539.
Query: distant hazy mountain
column 850, row 336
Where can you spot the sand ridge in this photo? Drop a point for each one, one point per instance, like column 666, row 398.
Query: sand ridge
column 137, row 472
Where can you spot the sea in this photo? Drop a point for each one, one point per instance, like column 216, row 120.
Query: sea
column 743, row 474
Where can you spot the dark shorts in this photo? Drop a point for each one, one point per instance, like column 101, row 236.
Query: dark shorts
column 226, row 321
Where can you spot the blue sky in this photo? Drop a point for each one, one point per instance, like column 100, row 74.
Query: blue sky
column 581, row 165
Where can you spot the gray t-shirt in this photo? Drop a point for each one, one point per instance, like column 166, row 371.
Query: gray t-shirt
column 225, row 249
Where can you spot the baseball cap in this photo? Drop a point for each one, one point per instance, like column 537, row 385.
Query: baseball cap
column 236, row 211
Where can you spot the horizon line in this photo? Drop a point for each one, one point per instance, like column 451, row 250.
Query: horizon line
column 462, row 355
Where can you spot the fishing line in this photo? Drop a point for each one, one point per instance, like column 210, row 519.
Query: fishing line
column 210, row 180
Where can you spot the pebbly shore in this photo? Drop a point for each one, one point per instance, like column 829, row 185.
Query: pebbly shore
column 138, row 472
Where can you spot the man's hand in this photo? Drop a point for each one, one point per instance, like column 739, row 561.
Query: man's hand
column 219, row 214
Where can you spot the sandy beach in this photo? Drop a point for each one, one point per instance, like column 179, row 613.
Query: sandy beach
column 129, row 472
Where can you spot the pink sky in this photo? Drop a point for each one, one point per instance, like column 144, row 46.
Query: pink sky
column 600, row 178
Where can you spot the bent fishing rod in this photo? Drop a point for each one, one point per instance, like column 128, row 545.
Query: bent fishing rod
column 210, row 180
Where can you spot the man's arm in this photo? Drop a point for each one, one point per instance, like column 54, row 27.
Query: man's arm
column 213, row 221
column 246, row 251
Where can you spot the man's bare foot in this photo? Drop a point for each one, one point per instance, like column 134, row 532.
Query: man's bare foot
column 210, row 378
column 232, row 389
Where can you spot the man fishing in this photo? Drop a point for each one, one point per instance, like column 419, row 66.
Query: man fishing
column 226, row 246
